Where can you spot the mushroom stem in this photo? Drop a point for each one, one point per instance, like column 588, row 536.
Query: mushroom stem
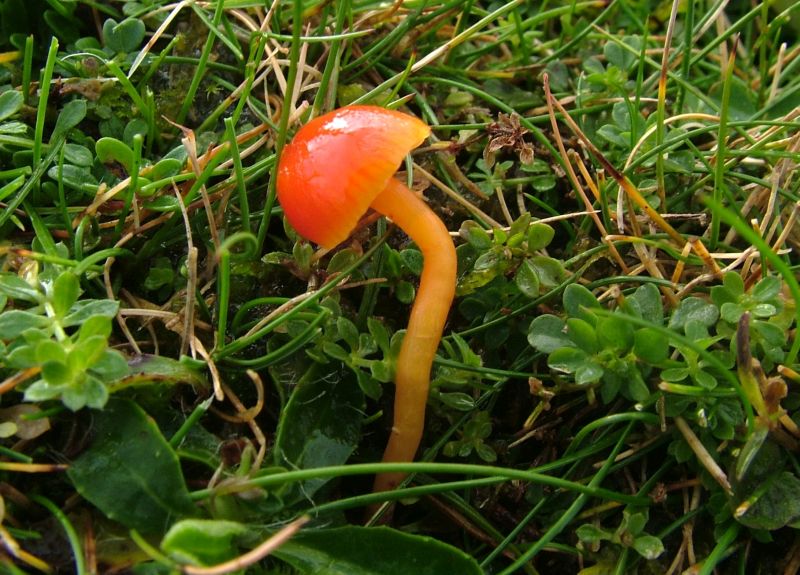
column 425, row 326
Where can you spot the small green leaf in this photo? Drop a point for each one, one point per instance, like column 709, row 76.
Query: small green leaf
column 475, row 235
column 592, row 534
column 731, row 312
column 341, row 260
column 579, row 301
column 111, row 366
column 11, row 102
column 405, row 292
column 91, row 393
column 87, row 308
column 767, row 289
column 458, row 401
column 615, row 333
column 485, row 452
column 87, row 352
column 78, row 155
column 547, row 334
column 48, row 349
column 622, row 57
column 164, row 168
column 373, row 551
column 94, row 326
column 379, row 333
column 694, row 309
column 526, row 280
column 568, row 359
column 14, row 322
column 583, row 334
column 147, row 368
column 202, row 541
column 70, row 116
column 110, row 150
column 550, row 271
column 704, row 379
column 56, row 373
column 648, row 546
column 646, row 303
column 76, row 177
column 650, row 346
column 142, row 485
column 734, row 283
column 539, row 236
column 125, row 36
column 66, row 290
column 773, row 504
column 519, row 227
column 17, row 288
column 412, row 260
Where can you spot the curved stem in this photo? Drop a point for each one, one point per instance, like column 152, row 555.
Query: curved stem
column 434, row 296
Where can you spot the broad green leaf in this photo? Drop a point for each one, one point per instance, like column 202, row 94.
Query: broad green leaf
column 458, row 400
column 475, row 235
column 774, row 504
column 767, row 288
column 87, row 352
column 547, row 333
column 646, row 302
column 56, row 373
column 17, row 288
column 164, row 168
column 527, row 280
column 10, row 103
column 539, row 236
column 125, row 36
column 130, row 472
column 321, row 424
column 648, row 546
column 66, row 290
column 615, row 333
column 650, row 345
column 373, row 551
column 405, row 292
column 202, row 541
column 579, row 301
column 147, row 368
column 341, row 260
column 568, row 359
column 621, row 57
column 550, row 271
column 78, row 155
column 70, row 116
column 583, row 334
column 592, row 534
column 111, row 150
column 14, row 322
column 95, row 325
column 412, row 260
column 694, row 309
column 84, row 309
column 111, row 366
column 49, row 349
column 76, row 177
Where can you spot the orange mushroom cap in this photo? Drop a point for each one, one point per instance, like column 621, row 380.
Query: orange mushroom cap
column 338, row 163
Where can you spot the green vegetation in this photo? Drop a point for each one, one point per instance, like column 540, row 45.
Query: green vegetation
column 189, row 386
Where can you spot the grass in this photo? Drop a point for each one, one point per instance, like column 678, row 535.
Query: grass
column 189, row 386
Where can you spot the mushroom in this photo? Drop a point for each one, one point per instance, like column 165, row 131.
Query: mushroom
column 336, row 167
